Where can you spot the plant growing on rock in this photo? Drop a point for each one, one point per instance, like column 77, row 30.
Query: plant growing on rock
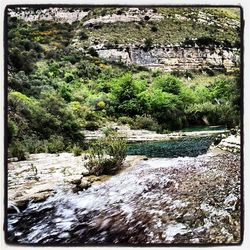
column 147, row 44
column 107, row 154
column 77, row 151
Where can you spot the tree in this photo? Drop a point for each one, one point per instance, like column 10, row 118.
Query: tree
column 167, row 109
column 168, row 83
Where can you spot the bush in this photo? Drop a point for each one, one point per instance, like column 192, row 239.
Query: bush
column 56, row 144
column 168, row 83
column 92, row 126
column 83, row 35
column 33, row 145
column 154, row 29
column 106, row 154
column 12, row 130
column 109, row 131
column 147, row 44
column 145, row 122
column 17, row 149
column 77, row 151
column 206, row 41
column 209, row 71
column 125, row 120
column 100, row 105
column 93, row 52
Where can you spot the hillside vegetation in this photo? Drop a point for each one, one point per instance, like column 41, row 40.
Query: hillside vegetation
column 55, row 91
column 170, row 25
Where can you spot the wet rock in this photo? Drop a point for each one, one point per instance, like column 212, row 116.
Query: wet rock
column 42, row 175
column 74, row 179
column 231, row 144
column 136, row 207
column 142, row 135
column 13, row 159
column 39, row 189
column 85, row 183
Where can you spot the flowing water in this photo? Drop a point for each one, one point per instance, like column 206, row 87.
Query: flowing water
column 170, row 149
column 147, row 203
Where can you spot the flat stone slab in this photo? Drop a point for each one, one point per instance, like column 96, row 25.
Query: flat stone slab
column 44, row 174
column 231, row 144
column 142, row 135
column 38, row 177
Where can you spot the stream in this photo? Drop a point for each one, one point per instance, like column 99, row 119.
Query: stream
column 186, row 199
column 173, row 148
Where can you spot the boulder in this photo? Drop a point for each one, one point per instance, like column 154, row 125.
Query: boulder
column 84, row 183
column 74, row 179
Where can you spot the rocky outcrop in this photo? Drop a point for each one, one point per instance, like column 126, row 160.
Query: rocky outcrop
column 44, row 174
column 49, row 14
column 142, row 135
column 131, row 15
column 117, row 15
column 173, row 57
column 169, row 57
column 231, row 144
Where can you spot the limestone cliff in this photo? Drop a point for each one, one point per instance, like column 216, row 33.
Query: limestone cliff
column 171, row 58
column 120, row 35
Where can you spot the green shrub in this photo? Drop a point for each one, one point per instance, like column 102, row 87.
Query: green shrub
column 147, row 44
column 17, row 149
column 83, row 35
column 109, row 131
column 154, row 29
column 77, row 151
column 209, row 71
column 56, row 144
column 106, row 154
column 35, row 145
column 145, row 122
column 93, row 52
column 168, row 83
column 92, row 126
column 125, row 120
column 100, row 105
column 12, row 130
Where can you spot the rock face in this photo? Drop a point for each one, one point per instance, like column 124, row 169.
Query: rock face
column 49, row 14
column 173, row 57
column 131, row 15
column 169, row 57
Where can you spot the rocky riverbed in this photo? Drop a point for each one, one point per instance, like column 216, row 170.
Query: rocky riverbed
column 180, row 200
column 151, row 201
column 43, row 174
